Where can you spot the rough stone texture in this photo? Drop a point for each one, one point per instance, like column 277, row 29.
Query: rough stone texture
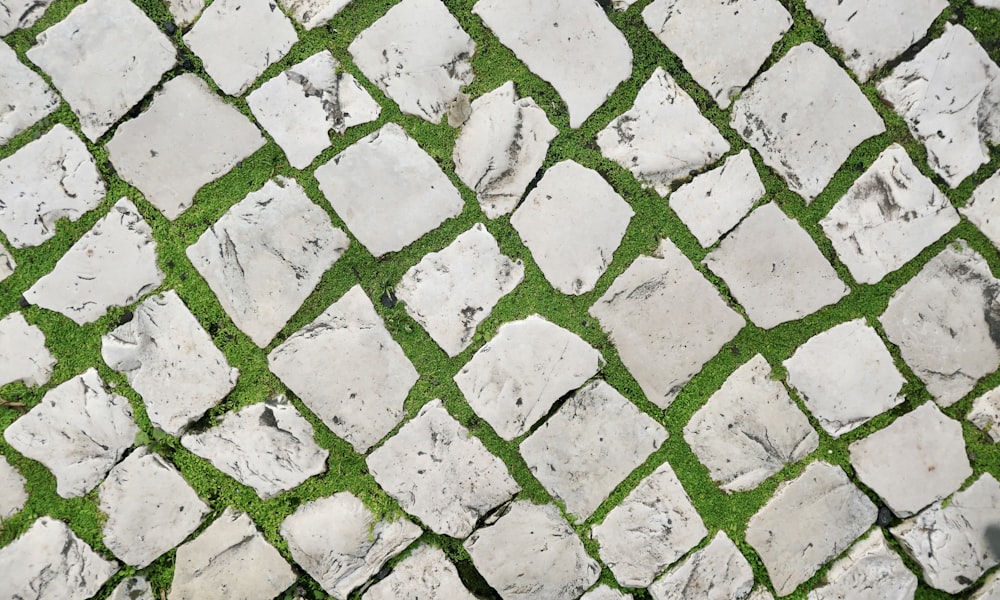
column 186, row 138
column 7, row 263
column 603, row 592
column 12, row 492
column 515, row 378
column 23, row 355
column 987, row 3
column 339, row 543
column 419, row 55
column 845, row 376
column 888, row 216
column 185, row 12
column 761, row 593
column 531, row 553
column 654, row 525
column 869, row 571
column 501, row 147
column 150, row 508
column 426, row 573
column 943, row 321
column 572, row 222
column 774, row 269
column 133, row 588
column 985, row 413
column 79, row 431
column 440, row 473
column 722, row 44
column 387, row 190
column 983, row 208
column 991, row 586
column 716, row 572
column 48, row 179
column 809, row 520
column 266, row 255
column 750, row 429
column 805, row 115
column 50, row 561
column 313, row 13
column 20, row 14
column 348, row 370
column 300, row 106
column 103, row 58
column 268, row 446
column 955, row 545
column 666, row 320
column 452, row 291
column 663, row 137
column 230, row 559
column 26, row 95
column 949, row 96
column 171, row 361
column 569, row 43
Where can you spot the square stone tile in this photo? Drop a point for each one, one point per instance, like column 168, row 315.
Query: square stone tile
column 23, row 355
column 716, row 572
column 985, row 413
column 103, row 58
column 20, row 14
column 870, row 570
column 26, row 95
column 13, row 495
column 983, row 208
column 426, row 573
column 572, row 221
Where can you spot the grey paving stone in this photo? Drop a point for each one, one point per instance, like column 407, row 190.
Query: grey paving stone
column 171, row 361
column 531, row 553
column 78, row 431
column 943, row 322
column 300, row 106
column 419, row 55
column 716, row 572
column 869, row 571
column 20, row 14
column 845, row 376
column 983, row 208
column 569, row 43
column 48, row 179
column 103, row 58
column 515, row 378
column 387, row 190
column 663, row 138
column 26, row 95
column 186, row 138
column 133, row 588
column 603, row 592
column 313, row 13
column 185, row 12
column 426, row 573
column 750, row 429
column 666, row 320
column 985, row 413
column 150, row 508
column 7, row 263
column 649, row 530
column 23, row 355
column 572, row 222
column 501, row 147
column 805, row 115
column 592, row 443
column 340, row 544
column 712, row 40
column 452, row 291
column 440, row 473
column 991, row 586
column 265, row 255
column 13, row 495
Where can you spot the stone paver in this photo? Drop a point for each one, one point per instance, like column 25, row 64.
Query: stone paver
column 716, row 572
column 985, row 413
column 26, row 95
column 13, row 494
column 426, row 573
column 23, row 355
column 991, row 586
column 185, row 12
column 133, row 588
column 20, row 14
column 313, row 13
column 983, row 208
column 603, row 592
column 7, row 263
column 869, row 571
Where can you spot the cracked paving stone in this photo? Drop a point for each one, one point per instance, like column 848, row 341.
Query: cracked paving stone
column 716, row 572
column 185, row 12
column 26, row 96
column 313, row 13
column 7, row 263
column 991, row 586
column 440, row 473
column 265, row 255
column 78, row 431
column 133, row 588
column 985, row 413
column 13, row 494
column 20, row 14
column 603, row 592
column 268, row 446
column 426, row 573
column 983, row 208
column 340, row 544
column 23, row 355
column 869, row 571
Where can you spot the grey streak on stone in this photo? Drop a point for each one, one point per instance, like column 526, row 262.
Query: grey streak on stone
column 313, row 13
column 985, row 413
column 983, row 208
column 869, row 571
column 21, row 14
column 716, row 572
column 603, row 592
column 185, row 12
column 23, row 355
column 133, row 588
column 7, row 263
column 424, row 574
column 13, row 494
column 27, row 98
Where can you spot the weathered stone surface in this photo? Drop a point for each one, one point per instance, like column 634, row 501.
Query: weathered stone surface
column 531, row 553
column 949, row 96
column 387, row 190
column 716, row 572
column 79, row 431
column 48, row 179
column 569, row 43
column 654, row 525
column 888, row 216
column 265, row 256
column 809, row 520
column 991, row 586
column 985, row 413
column 268, row 446
column 440, row 473
column 452, row 291
column 133, row 588
column 760, row 593
column 987, row 3
column 805, row 115
column 713, row 39
column 171, row 361
column 955, row 545
column 426, row 573
column 7, row 263
column 20, row 14
column 23, row 355
column 750, row 429
column 12, row 492
column 666, row 320
column 186, row 138
column 983, row 208
column 185, row 12
column 150, row 508
column 26, row 96
column 869, row 571
column 845, row 376
column 417, row 54
column 339, row 543
column 663, row 137
column 299, row 107
column 943, row 321
column 603, row 592
column 103, row 58
column 501, row 147
column 230, row 559
column 313, row 13
column 774, row 269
